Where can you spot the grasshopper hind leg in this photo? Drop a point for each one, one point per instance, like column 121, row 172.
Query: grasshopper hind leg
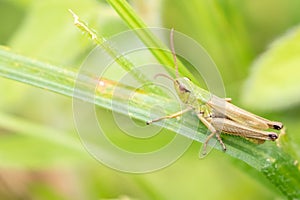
column 205, row 144
column 204, row 151
column 218, row 135
column 208, row 141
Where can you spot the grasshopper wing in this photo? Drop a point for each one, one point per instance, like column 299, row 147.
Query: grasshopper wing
column 241, row 116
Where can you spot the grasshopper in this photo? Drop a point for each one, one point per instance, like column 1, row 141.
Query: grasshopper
column 218, row 114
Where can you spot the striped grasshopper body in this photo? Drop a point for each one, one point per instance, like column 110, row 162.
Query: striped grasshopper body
column 218, row 114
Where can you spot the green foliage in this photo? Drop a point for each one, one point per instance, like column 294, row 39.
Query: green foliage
column 275, row 76
column 233, row 33
column 33, row 146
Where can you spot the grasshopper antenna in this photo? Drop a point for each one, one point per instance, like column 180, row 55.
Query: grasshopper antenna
column 164, row 75
column 174, row 57
column 173, row 51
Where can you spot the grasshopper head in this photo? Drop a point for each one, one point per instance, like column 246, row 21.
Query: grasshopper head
column 182, row 85
column 184, row 89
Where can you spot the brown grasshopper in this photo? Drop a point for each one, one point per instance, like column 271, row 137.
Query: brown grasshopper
column 218, row 114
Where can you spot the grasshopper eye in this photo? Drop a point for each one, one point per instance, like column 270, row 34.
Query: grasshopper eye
column 183, row 88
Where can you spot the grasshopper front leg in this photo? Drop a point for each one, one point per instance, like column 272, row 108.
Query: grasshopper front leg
column 170, row 116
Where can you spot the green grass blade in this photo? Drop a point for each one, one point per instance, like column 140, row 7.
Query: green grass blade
column 278, row 166
column 134, row 22
column 102, row 42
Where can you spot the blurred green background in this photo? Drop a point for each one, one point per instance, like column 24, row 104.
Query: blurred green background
column 41, row 156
